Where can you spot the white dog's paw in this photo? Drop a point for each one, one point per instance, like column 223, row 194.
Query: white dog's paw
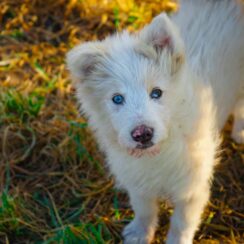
column 238, row 131
column 135, row 233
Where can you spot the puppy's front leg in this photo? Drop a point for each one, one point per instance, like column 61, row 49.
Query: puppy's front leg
column 186, row 217
column 141, row 229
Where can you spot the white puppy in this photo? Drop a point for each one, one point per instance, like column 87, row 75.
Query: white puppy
column 157, row 100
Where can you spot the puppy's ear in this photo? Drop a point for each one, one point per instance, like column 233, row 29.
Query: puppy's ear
column 83, row 59
column 162, row 34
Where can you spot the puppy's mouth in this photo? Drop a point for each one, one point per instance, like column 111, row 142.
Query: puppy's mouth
column 145, row 145
column 140, row 150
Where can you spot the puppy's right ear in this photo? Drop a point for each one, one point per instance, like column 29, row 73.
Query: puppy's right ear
column 83, row 59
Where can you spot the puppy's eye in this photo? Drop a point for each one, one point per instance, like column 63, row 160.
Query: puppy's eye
column 156, row 93
column 118, row 99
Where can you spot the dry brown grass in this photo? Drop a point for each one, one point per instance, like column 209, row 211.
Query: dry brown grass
column 54, row 185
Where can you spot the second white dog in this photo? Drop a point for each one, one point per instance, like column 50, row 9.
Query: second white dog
column 157, row 100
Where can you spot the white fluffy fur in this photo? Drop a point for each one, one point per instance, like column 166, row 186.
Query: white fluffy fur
column 202, row 82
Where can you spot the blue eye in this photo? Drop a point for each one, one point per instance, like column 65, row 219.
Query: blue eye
column 118, row 99
column 156, row 93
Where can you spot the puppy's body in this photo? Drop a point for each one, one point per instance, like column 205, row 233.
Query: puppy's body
column 200, row 86
column 213, row 32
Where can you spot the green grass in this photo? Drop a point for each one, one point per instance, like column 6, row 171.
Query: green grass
column 8, row 214
column 15, row 106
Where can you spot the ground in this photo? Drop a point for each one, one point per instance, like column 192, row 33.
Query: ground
column 55, row 187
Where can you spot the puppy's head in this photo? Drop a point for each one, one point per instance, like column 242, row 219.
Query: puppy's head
column 127, row 83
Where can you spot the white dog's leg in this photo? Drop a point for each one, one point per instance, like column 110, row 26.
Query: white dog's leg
column 238, row 127
column 141, row 229
column 186, row 218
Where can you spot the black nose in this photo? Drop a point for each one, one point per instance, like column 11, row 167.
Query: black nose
column 142, row 134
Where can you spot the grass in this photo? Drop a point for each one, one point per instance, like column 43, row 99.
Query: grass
column 53, row 180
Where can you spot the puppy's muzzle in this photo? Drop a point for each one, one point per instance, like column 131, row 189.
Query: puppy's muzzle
column 143, row 135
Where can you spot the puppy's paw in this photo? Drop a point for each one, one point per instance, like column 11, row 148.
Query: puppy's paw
column 135, row 233
column 238, row 131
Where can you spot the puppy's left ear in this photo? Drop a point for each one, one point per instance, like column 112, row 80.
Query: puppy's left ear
column 162, row 34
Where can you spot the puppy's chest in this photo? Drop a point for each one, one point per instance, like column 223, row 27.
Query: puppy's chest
column 163, row 175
